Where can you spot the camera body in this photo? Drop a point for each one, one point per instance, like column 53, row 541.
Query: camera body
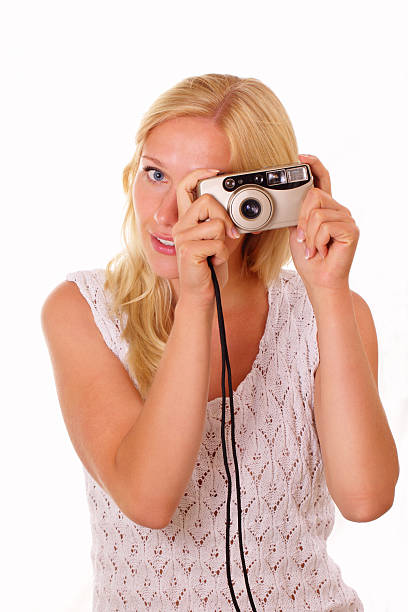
column 261, row 200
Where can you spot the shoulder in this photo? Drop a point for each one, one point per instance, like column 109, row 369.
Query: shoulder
column 367, row 331
column 89, row 282
column 86, row 286
column 64, row 307
column 360, row 306
column 80, row 309
column 364, row 317
column 77, row 296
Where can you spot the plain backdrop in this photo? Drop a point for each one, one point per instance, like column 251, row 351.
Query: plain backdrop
column 76, row 77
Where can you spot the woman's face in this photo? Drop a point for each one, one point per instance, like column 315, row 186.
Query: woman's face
column 173, row 149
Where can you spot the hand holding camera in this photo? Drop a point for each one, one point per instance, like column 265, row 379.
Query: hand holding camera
column 329, row 232
column 200, row 232
column 247, row 202
column 262, row 200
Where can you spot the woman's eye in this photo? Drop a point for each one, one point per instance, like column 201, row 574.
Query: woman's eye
column 155, row 175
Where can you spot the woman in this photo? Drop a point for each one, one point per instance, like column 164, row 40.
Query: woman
column 137, row 363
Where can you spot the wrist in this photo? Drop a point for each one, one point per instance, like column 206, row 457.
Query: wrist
column 329, row 299
column 193, row 305
column 320, row 293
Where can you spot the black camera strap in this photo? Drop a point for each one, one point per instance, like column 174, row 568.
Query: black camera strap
column 225, row 360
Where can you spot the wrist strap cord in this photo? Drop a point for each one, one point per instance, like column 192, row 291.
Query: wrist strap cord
column 225, row 361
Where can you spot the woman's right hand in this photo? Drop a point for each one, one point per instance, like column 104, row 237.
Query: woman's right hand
column 200, row 232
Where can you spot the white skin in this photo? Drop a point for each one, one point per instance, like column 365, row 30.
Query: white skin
column 186, row 148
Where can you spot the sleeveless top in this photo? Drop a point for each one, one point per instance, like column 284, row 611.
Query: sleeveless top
column 287, row 511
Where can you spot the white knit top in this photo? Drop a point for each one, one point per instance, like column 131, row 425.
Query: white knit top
column 287, row 511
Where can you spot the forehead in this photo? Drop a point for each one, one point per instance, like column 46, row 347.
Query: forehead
column 194, row 142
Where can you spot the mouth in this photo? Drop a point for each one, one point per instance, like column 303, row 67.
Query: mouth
column 167, row 242
column 166, row 247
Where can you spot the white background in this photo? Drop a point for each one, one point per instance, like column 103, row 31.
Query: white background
column 76, row 77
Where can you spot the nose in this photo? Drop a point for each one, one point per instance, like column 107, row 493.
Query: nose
column 166, row 214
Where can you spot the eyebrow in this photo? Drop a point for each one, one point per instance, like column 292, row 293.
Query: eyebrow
column 155, row 160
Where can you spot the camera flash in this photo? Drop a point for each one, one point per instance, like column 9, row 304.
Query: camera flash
column 297, row 174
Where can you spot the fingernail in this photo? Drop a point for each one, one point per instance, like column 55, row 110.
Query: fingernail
column 212, row 170
column 307, row 253
column 306, row 155
column 300, row 235
column 235, row 233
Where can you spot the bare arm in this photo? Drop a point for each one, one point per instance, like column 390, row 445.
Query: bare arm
column 159, row 452
column 358, row 449
column 147, row 474
column 359, row 453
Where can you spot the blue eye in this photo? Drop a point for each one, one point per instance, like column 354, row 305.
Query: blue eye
column 157, row 176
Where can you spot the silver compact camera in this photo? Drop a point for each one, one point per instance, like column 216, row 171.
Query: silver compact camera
column 263, row 199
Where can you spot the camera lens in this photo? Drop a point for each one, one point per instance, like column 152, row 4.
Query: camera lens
column 258, row 178
column 250, row 208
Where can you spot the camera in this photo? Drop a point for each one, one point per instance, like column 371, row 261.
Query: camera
column 263, row 199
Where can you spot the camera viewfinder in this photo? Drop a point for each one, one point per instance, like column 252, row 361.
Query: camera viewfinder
column 275, row 177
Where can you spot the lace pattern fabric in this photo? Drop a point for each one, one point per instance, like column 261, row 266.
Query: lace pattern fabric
column 287, row 511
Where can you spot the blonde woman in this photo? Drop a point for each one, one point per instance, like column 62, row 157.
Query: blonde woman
column 136, row 354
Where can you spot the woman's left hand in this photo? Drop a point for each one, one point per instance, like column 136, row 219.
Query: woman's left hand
column 331, row 235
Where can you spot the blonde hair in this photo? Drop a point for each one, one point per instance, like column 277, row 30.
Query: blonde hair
column 260, row 134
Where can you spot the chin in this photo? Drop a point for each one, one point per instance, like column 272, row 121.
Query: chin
column 164, row 269
column 164, row 266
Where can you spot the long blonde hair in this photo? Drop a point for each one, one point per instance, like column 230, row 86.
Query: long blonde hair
column 260, row 135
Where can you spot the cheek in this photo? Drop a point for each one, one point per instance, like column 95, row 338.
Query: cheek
column 140, row 201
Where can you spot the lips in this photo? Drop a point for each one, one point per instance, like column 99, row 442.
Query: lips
column 163, row 237
column 158, row 246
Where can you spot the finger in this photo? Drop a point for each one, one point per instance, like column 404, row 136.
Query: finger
column 197, row 251
column 202, row 209
column 317, row 234
column 186, row 187
column 321, row 177
column 213, row 229
column 338, row 231
column 316, row 198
